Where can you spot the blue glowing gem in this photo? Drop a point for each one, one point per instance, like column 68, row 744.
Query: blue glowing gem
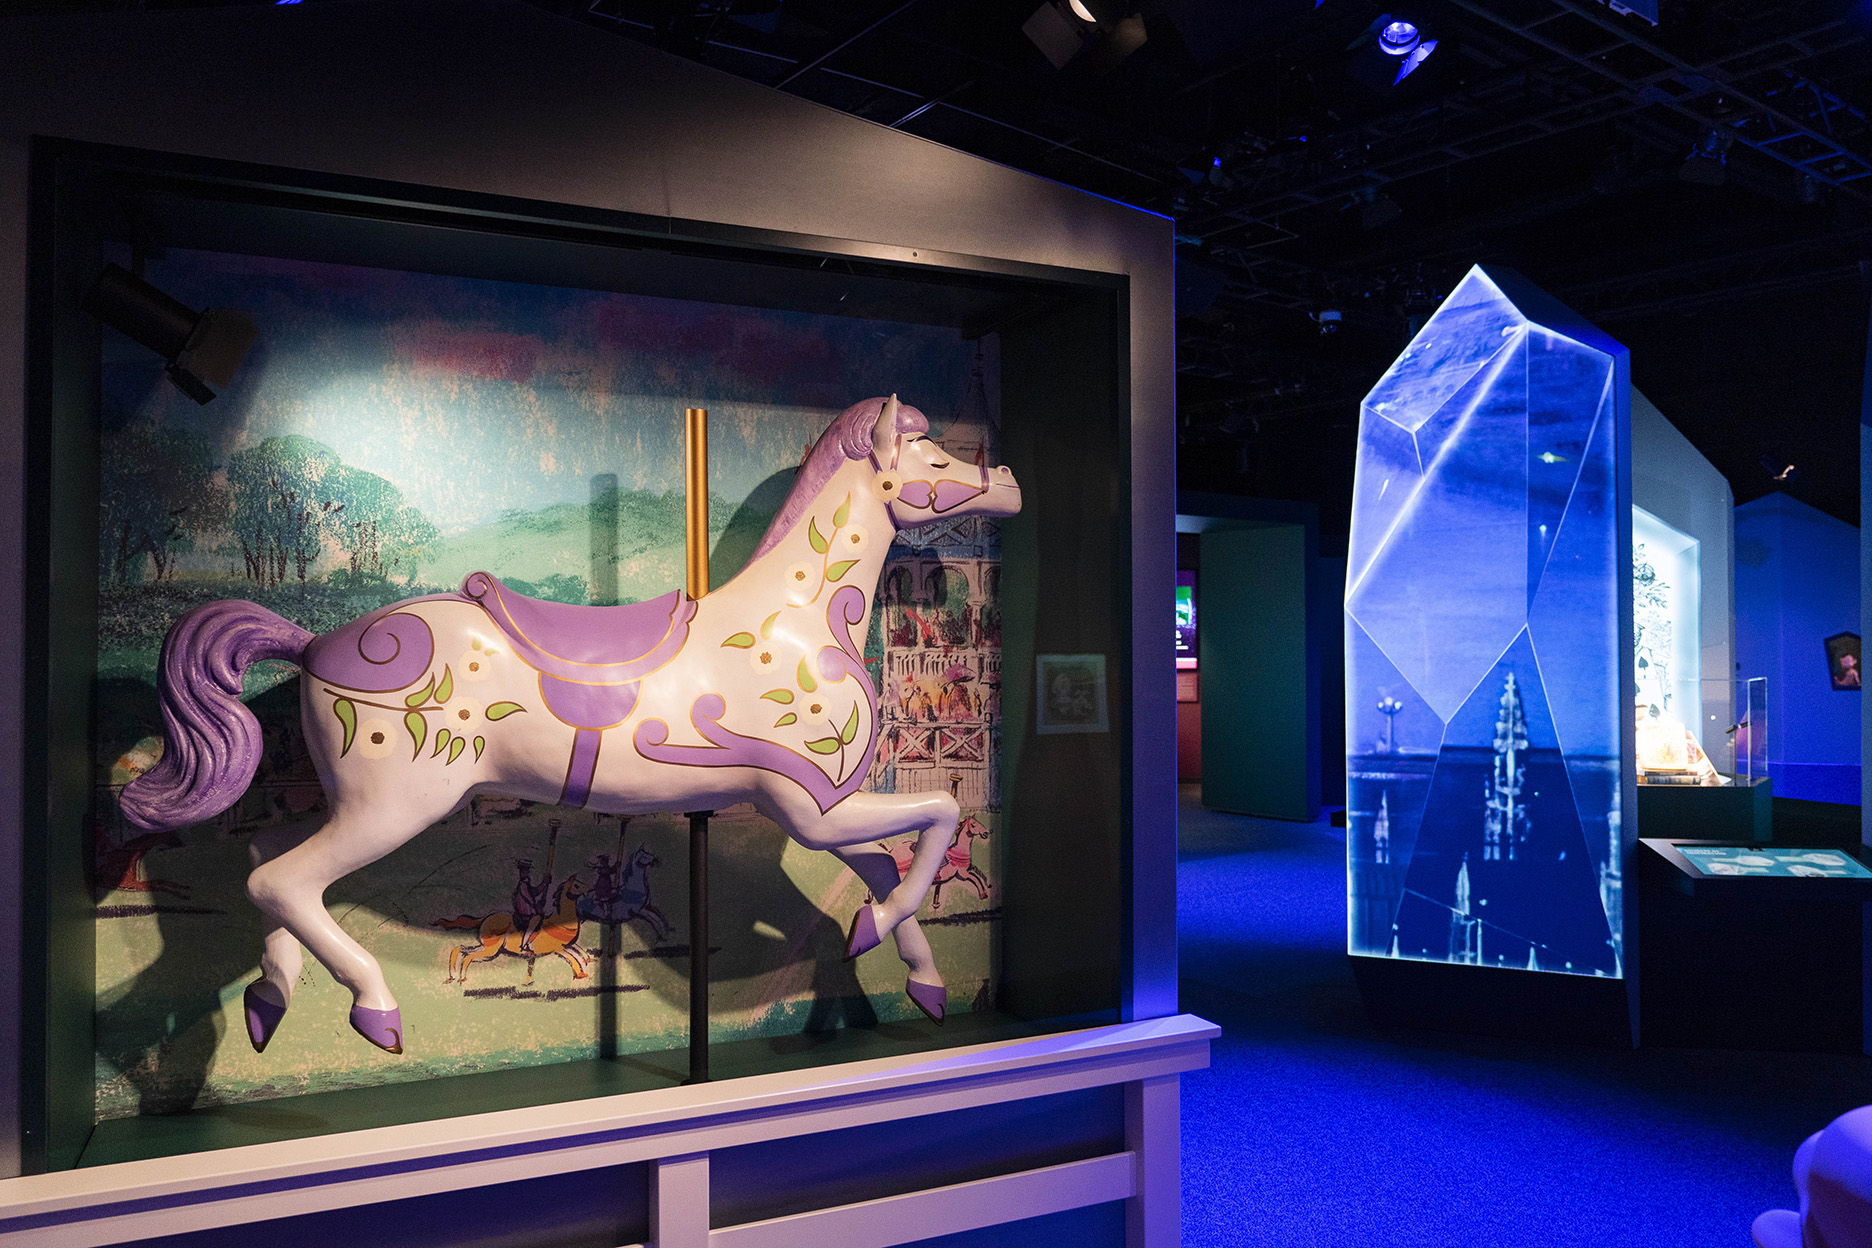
column 1483, row 654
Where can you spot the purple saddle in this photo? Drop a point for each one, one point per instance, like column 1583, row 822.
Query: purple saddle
column 590, row 659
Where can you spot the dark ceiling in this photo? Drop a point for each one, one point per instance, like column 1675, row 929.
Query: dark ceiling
column 1556, row 137
column 1550, row 136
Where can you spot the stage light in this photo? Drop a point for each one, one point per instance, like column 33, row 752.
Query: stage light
column 1707, row 164
column 1399, row 38
column 196, row 347
column 1328, row 320
column 1081, row 12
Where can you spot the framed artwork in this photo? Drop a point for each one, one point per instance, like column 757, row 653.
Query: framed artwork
column 1071, row 693
column 1186, row 621
column 1843, row 661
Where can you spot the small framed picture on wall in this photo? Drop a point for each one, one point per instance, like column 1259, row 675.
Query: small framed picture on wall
column 1843, row 661
column 1071, row 693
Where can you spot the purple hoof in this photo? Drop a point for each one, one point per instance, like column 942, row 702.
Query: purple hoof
column 383, row 1028
column 263, row 1018
column 864, row 934
column 930, row 998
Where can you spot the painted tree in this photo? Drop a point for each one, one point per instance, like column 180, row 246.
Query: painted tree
column 158, row 493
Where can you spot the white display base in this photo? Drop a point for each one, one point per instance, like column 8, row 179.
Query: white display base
column 674, row 1130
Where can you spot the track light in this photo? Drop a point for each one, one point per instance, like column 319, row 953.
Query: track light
column 1707, row 164
column 1399, row 38
column 197, row 348
column 1102, row 32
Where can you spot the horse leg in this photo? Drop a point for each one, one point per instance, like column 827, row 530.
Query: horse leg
column 659, row 926
column 877, row 867
column 290, row 889
column 866, row 818
column 263, row 1004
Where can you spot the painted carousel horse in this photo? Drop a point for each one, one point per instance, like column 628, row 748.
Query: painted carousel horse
column 495, row 934
column 756, row 693
column 614, row 902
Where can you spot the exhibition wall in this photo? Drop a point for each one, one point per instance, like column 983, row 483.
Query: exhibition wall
column 1797, row 584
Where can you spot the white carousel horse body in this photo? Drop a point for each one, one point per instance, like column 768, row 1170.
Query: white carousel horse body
column 756, row 692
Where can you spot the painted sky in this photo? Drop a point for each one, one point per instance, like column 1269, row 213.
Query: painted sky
column 477, row 397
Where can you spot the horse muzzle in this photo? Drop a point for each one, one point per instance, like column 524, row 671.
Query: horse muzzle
column 1003, row 496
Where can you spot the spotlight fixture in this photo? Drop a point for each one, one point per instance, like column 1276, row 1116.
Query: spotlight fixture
column 197, row 348
column 1388, row 51
column 1096, row 33
column 1328, row 320
column 1707, row 164
column 1399, row 38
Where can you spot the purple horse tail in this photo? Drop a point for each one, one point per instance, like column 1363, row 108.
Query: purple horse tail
column 211, row 741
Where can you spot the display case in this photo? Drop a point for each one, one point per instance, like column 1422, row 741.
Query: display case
column 482, row 367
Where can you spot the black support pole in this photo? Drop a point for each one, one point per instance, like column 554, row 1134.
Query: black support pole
column 698, row 946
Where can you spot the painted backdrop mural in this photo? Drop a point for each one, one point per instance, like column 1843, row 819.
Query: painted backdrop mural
column 392, row 432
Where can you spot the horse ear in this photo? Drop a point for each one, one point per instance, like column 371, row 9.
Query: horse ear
column 884, row 436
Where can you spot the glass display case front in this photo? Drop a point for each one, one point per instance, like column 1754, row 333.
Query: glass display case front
column 427, row 404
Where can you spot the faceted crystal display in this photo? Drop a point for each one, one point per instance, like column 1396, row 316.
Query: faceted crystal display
column 1482, row 648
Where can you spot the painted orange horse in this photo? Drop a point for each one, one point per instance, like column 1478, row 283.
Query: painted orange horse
column 498, row 933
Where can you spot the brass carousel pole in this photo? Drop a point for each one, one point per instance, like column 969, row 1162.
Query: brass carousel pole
column 695, row 459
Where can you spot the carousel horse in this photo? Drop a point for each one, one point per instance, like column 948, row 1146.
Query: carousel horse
column 755, row 693
column 499, row 933
column 629, row 900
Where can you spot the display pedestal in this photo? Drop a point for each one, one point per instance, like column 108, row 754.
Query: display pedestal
column 1748, row 962
column 1743, row 811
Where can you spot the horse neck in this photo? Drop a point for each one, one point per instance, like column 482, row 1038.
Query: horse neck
column 853, row 480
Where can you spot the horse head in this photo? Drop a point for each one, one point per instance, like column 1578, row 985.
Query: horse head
column 643, row 859
column 920, row 482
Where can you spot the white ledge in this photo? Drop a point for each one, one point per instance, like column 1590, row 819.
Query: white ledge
column 138, row 1199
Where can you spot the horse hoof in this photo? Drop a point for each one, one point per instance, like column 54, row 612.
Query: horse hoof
column 383, row 1028
column 263, row 1018
column 864, row 934
column 930, row 998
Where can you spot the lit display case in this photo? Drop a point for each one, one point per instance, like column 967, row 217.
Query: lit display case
column 1483, row 642
column 449, row 379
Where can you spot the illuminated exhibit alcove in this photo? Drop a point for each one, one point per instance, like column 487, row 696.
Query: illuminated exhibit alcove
column 1509, row 483
column 449, row 378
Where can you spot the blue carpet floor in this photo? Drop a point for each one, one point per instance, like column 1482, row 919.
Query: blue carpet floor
column 1315, row 1128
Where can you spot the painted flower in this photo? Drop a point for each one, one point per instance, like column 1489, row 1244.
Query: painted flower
column 802, row 582
column 376, row 738
column 460, row 716
column 765, row 657
column 887, row 484
column 474, row 665
column 850, row 542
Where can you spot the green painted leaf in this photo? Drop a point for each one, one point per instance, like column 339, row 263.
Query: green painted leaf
column 851, row 726
column 446, row 689
column 475, row 642
column 441, row 742
column 813, row 535
column 838, row 570
column 766, row 626
column 806, row 682
column 501, row 710
column 455, row 748
column 422, row 695
column 843, row 513
column 783, row 696
column 784, row 720
column 825, row 745
column 740, row 641
column 418, row 731
column 347, row 715
column 480, row 744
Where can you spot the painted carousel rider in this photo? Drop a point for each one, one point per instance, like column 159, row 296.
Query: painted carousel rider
column 529, row 903
column 604, row 889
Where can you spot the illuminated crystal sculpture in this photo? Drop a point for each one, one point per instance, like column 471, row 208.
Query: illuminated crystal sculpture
column 1483, row 648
